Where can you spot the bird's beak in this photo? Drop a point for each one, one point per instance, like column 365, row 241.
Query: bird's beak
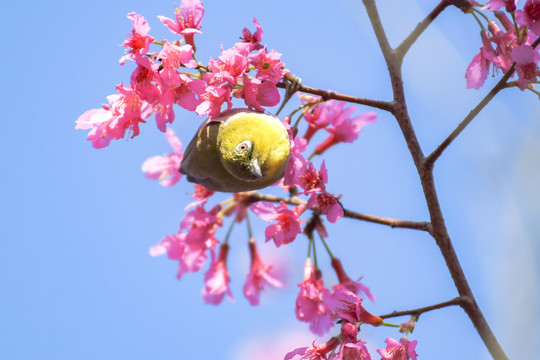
column 256, row 169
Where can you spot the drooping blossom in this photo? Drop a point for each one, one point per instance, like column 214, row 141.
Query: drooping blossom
column 165, row 167
column 311, row 301
column 344, row 280
column 258, row 276
column 190, row 246
column 296, row 159
column 493, row 5
column 316, row 352
column 351, row 348
column 477, row 72
column 346, row 305
column 187, row 20
column 353, row 351
column 200, row 195
column 526, row 58
column 529, row 16
column 344, row 128
column 217, row 279
column 288, row 225
column 138, row 42
column 398, row 350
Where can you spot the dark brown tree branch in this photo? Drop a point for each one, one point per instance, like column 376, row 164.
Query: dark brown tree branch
column 420, row 311
column 393, row 223
column 332, row 95
column 438, row 227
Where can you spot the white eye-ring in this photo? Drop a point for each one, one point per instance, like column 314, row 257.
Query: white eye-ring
column 243, row 147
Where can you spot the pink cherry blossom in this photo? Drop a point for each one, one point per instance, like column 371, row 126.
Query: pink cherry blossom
column 319, row 116
column 288, row 225
column 344, row 280
column 311, row 301
column 494, row 5
column 346, row 305
column 258, row 275
column 250, row 41
column 526, row 58
column 530, row 16
column 345, row 128
column 143, row 81
column 217, row 279
column 212, row 100
column 201, row 195
column 296, row 160
column 124, row 112
column 353, row 351
column 316, row 352
column 398, row 350
column 257, row 93
column 138, row 42
column 477, row 72
column 268, row 64
column 187, row 20
column 309, row 179
column 327, row 204
column 165, row 167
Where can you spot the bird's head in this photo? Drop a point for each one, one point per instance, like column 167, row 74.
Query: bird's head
column 253, row 146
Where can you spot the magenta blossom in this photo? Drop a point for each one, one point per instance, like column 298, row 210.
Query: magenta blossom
column 328, row 204
column 311, row 180
column 201, row 195
column 353, row 351
column 138, row 43
column 398, row 350
column 165, row 167
column 288, row 225
column 258, row 275
column 316, row 352
column 345, row 128
column 250, row 41
column 257, row 93
column 311, row 301
column 344, row 280
column 217, row 279
column 346, row 305
column 187, row 21
column 530, row 16
column 526, row 58
column 124, row 112
column 268, row 64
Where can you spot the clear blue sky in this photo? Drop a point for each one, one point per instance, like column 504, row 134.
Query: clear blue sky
column 76, row 223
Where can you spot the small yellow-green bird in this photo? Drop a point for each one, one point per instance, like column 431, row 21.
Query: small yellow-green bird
column 241, row 150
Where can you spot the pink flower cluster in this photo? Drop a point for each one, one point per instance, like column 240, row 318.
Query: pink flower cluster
column 322, row 308
column 513, row 43
column 161, row 80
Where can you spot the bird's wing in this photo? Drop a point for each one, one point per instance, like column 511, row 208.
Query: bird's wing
column 201, row 155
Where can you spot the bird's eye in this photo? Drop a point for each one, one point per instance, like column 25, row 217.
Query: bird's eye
column 243, row 147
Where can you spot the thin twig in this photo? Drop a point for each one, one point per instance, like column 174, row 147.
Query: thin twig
column 420, row 311
column 404, row 47
column 430, row 160
column 332, row 95
column 393, row 223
